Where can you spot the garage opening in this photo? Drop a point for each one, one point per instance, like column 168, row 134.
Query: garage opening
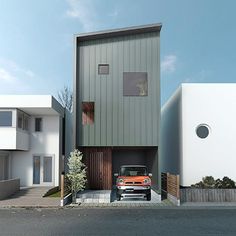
column 135, row 156
column 103, row 162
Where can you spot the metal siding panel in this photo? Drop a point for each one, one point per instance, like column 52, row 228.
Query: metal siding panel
column 85, row 87
column 132, row 99
column 143, row 99
column 97, row 123
column 109, row 101
column 138, row 123
column 115, row 91
column 158, row 92
column 121, row 121
column 81, row 82
column 126, row 60
column 92, row 77
column 155, row 89
column 103, row 94
column 120, row 94
column 151, row 98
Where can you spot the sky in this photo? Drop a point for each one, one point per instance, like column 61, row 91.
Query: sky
column 198, row 40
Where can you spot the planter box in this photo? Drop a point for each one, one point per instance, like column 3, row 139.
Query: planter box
column 207, row 195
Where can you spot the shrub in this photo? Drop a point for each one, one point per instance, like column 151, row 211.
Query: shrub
column 210, row 182
column 228, row 183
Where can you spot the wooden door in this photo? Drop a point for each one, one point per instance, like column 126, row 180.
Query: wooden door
column 99, row 168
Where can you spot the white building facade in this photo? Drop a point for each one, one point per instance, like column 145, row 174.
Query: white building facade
column 198, row 127
column 31, row 139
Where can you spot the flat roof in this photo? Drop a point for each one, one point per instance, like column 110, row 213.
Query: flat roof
column 32, row 104
column 119, row 32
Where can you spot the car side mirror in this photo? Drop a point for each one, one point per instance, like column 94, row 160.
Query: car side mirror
column 116, row 174
column 150, row 174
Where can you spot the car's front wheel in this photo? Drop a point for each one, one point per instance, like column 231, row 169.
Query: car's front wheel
column 149, row 197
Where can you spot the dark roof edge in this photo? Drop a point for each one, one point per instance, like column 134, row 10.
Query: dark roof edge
column 119, row 32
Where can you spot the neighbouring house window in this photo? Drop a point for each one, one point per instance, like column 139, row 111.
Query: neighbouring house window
column 87, row 113
column 26, row 122
column 103, row 69
column 202, row 131
column 20, row 120
column 6, row 118
column 38, row 124
column 135, row 84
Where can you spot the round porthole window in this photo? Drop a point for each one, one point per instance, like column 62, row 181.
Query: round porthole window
column 202, row 131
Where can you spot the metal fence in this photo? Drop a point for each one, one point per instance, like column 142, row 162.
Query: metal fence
column 207, row 195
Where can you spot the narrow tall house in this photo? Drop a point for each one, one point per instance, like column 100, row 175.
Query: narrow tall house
column 117, row 101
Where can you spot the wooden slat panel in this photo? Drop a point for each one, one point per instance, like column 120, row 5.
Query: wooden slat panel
column 99, row 167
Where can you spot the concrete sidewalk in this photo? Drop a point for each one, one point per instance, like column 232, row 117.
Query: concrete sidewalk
column 30, row 197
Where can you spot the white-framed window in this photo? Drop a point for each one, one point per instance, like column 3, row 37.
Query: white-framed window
column 43, row 169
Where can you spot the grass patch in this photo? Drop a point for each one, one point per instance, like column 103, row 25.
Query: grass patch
column 56, row 194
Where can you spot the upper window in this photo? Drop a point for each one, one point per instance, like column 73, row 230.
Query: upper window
column 87, row 113
column 135, row 84
column 26, row 122
column 103, row 69
column 22, row 120
column 202, row 131
column 6, row 118
column 38, row 124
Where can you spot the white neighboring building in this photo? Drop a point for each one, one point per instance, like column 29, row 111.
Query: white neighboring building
column 198, row 128
column 31, row 139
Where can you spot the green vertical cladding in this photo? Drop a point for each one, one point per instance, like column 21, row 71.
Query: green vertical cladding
column 119, row 120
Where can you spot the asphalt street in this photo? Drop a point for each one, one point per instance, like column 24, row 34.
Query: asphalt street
column 114, row 221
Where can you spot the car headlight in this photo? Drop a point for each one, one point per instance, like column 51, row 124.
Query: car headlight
column 120, row 181
column 147, row 181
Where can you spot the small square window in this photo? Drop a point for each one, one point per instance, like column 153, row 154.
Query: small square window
column 38, row 124
column 103, row 69
column 135, row 84
column 88, row 113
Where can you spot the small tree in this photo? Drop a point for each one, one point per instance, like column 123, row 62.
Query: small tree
column 77, row 172
column 65, row 97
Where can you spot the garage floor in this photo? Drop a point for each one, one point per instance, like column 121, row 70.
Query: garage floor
column 156, row 198
column 108, row 196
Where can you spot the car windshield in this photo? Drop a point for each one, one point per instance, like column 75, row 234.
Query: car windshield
column 133, row 171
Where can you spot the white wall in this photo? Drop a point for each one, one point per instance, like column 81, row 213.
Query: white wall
column 13, row 138
column 171, row 135
column 46, row 142
column 214, row 105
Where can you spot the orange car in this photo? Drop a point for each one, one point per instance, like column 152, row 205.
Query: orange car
column 133, row 181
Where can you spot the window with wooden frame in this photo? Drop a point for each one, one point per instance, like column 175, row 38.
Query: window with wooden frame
column 87, row 113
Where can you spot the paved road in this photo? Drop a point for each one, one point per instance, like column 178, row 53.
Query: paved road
column 159, row 221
